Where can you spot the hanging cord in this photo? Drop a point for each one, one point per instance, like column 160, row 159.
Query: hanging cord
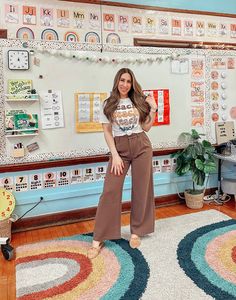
column 101, row 23
column 41, row 199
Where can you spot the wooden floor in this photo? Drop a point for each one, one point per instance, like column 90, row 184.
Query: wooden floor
column 7, row 268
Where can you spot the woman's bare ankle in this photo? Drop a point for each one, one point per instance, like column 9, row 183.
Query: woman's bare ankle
column 96, row 244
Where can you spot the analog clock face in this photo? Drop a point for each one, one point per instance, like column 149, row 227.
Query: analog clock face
column 18, row 59
column 7, row 204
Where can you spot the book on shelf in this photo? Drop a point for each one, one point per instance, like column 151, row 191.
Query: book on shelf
column 19, row 88
column 18, row 122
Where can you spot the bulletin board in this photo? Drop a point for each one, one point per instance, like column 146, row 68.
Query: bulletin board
column 72, row 68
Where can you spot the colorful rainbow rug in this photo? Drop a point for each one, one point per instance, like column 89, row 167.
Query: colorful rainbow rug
column 188, row 257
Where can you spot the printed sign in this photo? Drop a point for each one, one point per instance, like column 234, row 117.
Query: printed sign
column 36, row 181
column 100, row 173
column 49, row 179
column 63, row 18
column 46, row 16
column 63, row 178
column 76, row 176
column 109, row 22
column 21, row 183
column 7, row 183
column 11, row 13
column 176, row 27
column 123, row 23
column 29, row 15
column 88, row 174
column 156, row 165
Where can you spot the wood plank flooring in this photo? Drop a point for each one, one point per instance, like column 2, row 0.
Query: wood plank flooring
column 7, row 268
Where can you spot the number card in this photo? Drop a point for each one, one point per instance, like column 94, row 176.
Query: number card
column 173, row 164
column 76, row 176
column 7, row 183
column 88, row 174
column 50, row 179
column 100, row 173
column 21, row 183
column 166, row 165
column 36, row 181
column 156, row 164
column 63, row 178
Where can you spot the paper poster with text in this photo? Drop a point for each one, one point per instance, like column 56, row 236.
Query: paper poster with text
column 163, row 25
column 46, row 16
column 197, row 68
column 233, row 30
column 63, row 19
column 176, row 26
column 188, row 27
column 36, row 181
column 137, row 24
column 150, row 25
column 123, row 23
column 109, row 22
column 198, row 118
column 79, row 19
column 161, row 96
column 29, row 15
column 21, row 183
column 11, row 13
column 198, row 91
column 200, row 28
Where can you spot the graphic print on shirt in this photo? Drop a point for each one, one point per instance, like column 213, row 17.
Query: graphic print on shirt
column 126, row 117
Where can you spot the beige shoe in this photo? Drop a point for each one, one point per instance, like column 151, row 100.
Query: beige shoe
column 135, row 242
column 94, row 251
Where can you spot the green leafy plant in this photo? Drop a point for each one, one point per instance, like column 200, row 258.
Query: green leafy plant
column 197, row 158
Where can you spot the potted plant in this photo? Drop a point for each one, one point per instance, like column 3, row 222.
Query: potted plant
column 198, row 159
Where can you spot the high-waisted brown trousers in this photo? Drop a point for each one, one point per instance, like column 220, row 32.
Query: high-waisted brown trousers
column 135, row 150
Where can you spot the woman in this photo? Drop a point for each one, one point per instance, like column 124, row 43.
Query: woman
column 125, row 115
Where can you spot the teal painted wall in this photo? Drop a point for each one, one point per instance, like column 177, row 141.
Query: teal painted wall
column 83, row 195
column 219, row 6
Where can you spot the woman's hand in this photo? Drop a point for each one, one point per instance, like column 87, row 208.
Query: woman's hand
column 117, row 165
column 151, row 101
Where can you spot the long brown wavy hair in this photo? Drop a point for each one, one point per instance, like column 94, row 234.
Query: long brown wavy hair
column 135, row 94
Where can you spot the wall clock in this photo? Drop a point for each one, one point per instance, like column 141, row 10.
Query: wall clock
column 18, row 59
column 7, row 204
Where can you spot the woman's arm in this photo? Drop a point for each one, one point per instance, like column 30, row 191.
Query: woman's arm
column 117, row 163
column 146, row 126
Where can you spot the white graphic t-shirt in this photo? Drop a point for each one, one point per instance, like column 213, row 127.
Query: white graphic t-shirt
column 126, row 118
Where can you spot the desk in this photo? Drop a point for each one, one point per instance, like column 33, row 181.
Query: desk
column 220, row 157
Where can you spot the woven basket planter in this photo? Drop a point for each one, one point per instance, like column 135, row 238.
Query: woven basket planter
column 194, row 201
column 5, row 228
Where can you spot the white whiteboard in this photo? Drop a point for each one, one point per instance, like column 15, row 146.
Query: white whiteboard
column 70, row 75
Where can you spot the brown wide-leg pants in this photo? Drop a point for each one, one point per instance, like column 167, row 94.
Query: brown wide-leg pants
column 135, row 150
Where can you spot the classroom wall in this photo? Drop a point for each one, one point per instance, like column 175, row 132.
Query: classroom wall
column 110, row 25
column 83, row 195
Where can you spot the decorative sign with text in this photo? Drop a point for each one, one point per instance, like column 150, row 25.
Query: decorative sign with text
column 162, row 99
